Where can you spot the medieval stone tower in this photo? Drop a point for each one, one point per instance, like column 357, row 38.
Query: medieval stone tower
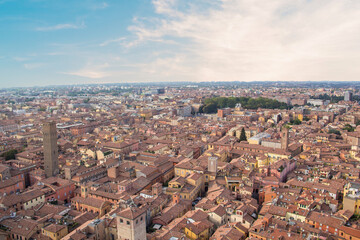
column 284, row 138
column 51, row 163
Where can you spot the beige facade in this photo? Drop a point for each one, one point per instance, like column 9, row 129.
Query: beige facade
column 34, row 202
column 131, row 224
column 55, row 232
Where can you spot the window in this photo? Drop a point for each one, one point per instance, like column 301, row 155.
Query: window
column 127, row 222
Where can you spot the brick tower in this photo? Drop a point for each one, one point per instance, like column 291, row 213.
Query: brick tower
column 51, row 163
column 285, row 138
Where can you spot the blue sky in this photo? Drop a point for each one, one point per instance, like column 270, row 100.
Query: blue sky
column 55, row 42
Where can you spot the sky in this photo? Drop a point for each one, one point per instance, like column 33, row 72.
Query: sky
column 58, row 42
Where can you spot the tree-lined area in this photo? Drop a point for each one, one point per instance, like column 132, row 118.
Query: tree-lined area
column 211, row 105
column 334, row 98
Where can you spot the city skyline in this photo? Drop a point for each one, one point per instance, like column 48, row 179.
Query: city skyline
column 87, row 42
column 230, row 160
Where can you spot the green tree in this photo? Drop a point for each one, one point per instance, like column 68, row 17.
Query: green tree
column 201, row 109
column 212, row 104
column 334, row 131
column 231, row 102
column 210, row 108
column 349, row 128
column 9, row 154
column 222, row 102
column 297, row 121
column 242, row 135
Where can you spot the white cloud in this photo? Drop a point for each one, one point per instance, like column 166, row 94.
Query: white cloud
column 87, row 73
column 107, row 42
column 61, row 27
column 92, row 71
column 254, row 40
column 165, row 7
column 31, row 66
